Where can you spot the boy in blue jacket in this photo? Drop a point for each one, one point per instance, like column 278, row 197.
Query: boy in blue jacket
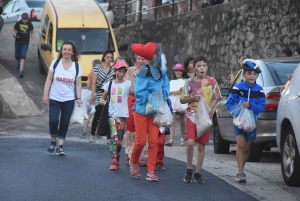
column 253, row 97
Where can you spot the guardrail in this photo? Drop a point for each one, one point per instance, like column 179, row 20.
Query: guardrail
column 140, row 9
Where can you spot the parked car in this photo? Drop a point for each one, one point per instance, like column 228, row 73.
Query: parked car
column 288, row 130
column 275, row 73
column 107, row 9
column 14, row 9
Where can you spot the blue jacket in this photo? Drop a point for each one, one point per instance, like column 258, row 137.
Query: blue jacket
column 240, row 92
column 145, row 84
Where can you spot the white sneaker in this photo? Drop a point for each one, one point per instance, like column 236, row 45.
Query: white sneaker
column 182, row 143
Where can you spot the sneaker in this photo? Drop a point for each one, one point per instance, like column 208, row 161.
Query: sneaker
column 241, row 178
column 170, row 143
column 60, row 151
column 198, row 179
column 188, row 176
column 21, row 75
column 108, row 142
column 114, row 165
column 152, row 177
column 92, row 139
column 83, row 135
column 160, row 166
column 51, row 147
column 182, row 143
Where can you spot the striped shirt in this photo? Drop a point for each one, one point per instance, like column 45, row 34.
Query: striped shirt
column 100, row 71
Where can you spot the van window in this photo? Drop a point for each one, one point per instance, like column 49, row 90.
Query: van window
column 8, row 8
column 35, row 4
column 50, row 34
column 17, row 6
column 281, row 72
column 86, row 40
column 45, row 26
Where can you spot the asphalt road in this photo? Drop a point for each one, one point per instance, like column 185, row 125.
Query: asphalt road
column 27, row 172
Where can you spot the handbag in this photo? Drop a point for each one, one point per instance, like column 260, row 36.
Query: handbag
column 103, row 126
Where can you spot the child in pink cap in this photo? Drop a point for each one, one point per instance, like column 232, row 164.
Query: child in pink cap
column 118, row 91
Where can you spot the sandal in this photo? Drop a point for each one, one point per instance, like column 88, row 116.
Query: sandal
column 170, row 143
column 135, row 170
column 143, row 164
column 152, row 177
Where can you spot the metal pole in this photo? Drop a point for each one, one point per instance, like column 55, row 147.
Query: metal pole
column 191, row 5
column 141, row 6
column 125, row 13
column 173, row 9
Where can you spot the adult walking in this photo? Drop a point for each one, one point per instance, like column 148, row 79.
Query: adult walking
column 102, row 74
column 62, row 88
column 130, row 135
column 150, row 78
column 21, row 32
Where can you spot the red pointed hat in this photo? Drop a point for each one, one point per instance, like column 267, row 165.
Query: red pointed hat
column 146, row 51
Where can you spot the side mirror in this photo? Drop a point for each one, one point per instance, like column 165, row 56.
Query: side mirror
column 123, row 47
column 225, row 91
column 46, row 47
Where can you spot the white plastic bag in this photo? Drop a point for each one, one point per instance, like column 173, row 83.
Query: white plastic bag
column 86, row 95
column 245, row 120
column 90, row 109
column 79, row 114
column 164, row 118
column 177, row 106
column 203, row 122
column 154, row 104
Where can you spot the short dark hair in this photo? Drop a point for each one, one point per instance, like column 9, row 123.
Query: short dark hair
column 288, row 52
column 184, row 75
column 75, row 55
column 200, row 58
column 186, row 63
column 106, row 53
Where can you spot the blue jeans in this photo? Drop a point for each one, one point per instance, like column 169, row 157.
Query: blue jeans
column 20, row 50
column 64, row 109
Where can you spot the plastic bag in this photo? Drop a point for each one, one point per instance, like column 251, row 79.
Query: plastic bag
column 86, row 95
column 243, row 118
column 164, row 118
column 154, row 104
column 177, row 106
column 79, row 114
column 203, row 122
column 90, row 109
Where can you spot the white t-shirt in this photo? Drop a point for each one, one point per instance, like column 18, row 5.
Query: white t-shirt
column 118, row 105
column 63, row 87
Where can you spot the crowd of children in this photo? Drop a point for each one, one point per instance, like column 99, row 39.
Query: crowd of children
column 130, row 92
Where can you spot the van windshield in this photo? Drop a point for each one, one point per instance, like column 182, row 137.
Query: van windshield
column 86, row 40
column 35, row 4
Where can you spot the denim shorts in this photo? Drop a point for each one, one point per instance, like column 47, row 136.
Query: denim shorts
column 248, row 136
column 20, row 50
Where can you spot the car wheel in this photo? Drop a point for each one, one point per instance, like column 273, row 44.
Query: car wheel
column 220, row 146
column 255, row 152
column 41, row 67
column 290, row 160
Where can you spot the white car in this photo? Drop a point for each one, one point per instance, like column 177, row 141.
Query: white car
column 288, row 130
column 107, row 9
column 14, row 9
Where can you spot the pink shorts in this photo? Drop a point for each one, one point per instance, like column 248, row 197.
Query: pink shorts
column 191, row 133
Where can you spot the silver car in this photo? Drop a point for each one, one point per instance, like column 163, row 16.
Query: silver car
column 275, row 73
column 288, row 130
column 14, row 9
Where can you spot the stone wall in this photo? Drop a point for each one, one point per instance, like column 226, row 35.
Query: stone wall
column 222, row 33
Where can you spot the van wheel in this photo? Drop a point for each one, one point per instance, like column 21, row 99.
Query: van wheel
column 255, row 153
column 220, row 146
column 290, row 160
column 41, row 67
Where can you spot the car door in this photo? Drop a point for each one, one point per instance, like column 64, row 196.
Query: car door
column 12, row 12
column 223, row 115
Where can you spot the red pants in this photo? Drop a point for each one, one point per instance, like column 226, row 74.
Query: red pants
column 144, row 125
column 161, row 148
column 130, row 120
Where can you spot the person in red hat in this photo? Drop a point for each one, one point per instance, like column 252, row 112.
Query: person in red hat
column 130, row 134
column 118, row 91
column 151, row 79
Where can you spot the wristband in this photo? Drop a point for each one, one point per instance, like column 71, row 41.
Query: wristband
column 78, row 98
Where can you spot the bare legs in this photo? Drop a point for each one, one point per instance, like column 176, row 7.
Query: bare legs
column 242, row 151
column 189, row 155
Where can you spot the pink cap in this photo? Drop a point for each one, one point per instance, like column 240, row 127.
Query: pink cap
column 120, row 64
column 179, row 67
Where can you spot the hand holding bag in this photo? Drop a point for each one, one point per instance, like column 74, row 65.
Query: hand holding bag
column 203, row 122
column 103, row 126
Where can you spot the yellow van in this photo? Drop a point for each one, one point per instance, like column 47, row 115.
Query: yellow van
column 81, row 22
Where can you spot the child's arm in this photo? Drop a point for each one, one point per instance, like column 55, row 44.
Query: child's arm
column 103, row 98
column 231, row 101
column 189, row 99
column 166, row 87
column 258, row 108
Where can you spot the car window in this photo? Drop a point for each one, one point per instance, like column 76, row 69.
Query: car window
column 50, row 34
column 45, row 27
column 86, row 40
column 238, row 78
column 35, row 4
column 8, row 8
column 101, row 1
column 281, row 72
column 17, row 6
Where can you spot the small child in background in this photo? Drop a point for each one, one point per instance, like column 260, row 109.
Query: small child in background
column 89, row 87
column 161, row 142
